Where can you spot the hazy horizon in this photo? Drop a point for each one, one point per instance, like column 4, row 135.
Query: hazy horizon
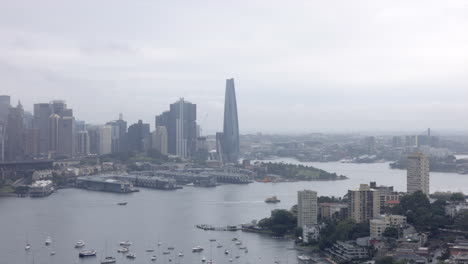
column 300, row 67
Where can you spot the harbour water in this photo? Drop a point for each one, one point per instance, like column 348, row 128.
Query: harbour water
column 150, row 216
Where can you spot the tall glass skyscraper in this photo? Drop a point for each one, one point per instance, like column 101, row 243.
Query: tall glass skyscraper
column 230, row 137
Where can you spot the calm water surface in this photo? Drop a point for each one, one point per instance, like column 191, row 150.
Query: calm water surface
column 169, row 216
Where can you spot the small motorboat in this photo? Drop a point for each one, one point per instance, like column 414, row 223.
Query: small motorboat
column 154, row 258
column 166, row 252
column 126, row 243
column 79, row 244
column 123, row 250
column 219, row 246
column 226, row 252
column 234, row 239
column 237, row 256
column 150, row 250
column 27, row 247
column 230, row 260
column 197, row 249
column 108, row 260
column 181, row 254
column 246, row 251
column 238, row 243
column 212, row 240
column 131, row 256
column 170, row 248
column 48, row 241
column 243, row 247
column 87, row 253
column 123, row 203
column 304, row 258
column 52, row 253
column 203, row 259
column 159, row 244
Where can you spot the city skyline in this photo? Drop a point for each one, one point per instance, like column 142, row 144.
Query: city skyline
column 394, row 58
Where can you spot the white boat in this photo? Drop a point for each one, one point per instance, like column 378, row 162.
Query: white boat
column 122, row 250
column 126, row 243
column 154, row 258
column 87, row 253
column 238, row 243
column 226, row 252
column 48, row 241
column 304, row 257
column 203, row 259
column 159, row 244
column 230, row 260
column 27, row 247
column 79, row 244
column 108, row 260
column 131, row 256
column 197, row 249
column 181, row 254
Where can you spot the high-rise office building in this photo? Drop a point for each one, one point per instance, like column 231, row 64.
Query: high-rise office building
column 159, row 139
column 119, row 135
column 15, row 134
column 105, row 140
column 82, row 146
column 66, row 141
column 42, row 113
column 364, row 203
column 31, row 142
column 306, row 208
column 417, row 173
column 181, row 124
column 93, row 136
column 230, row 136
column 4, row 108
column 54, row 128
column 137, row 134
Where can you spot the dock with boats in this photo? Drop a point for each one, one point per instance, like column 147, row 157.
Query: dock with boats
column 218, row 228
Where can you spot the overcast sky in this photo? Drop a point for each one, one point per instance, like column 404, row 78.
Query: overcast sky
column 299, row 66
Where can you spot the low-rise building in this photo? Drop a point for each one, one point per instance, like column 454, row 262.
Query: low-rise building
column 104, row 184
column 310, row 233
column 348, row 251
column 333, row 211
column 455, row 209
column 378, row 225
column 41, row 188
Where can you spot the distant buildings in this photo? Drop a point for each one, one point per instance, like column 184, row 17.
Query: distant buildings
column 181, row 125
column 14, row 149
column 228, row 142
column 137, row 134
column 160, row 139
column 417, row 174
column 364, row 203
column 306, row 208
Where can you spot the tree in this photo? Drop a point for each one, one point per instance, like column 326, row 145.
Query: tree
column 457, row 197
column 461, row 221
column 391, row 232
column 384, row 260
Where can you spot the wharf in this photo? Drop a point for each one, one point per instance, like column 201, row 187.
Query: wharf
column 217, row 228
